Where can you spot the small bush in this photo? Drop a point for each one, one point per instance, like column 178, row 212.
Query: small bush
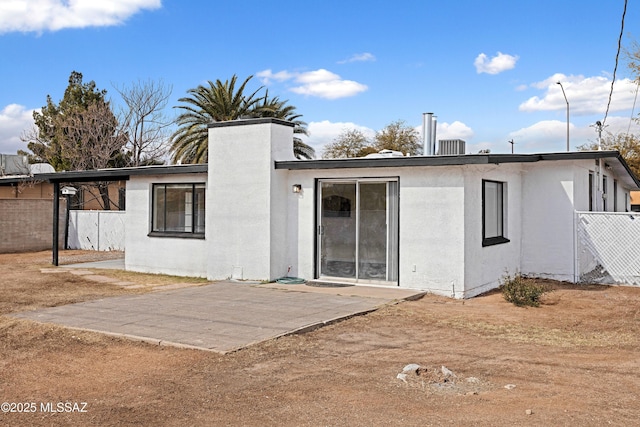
column 522, row 291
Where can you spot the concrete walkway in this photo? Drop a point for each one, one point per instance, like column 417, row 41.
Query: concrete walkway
column 223, row 316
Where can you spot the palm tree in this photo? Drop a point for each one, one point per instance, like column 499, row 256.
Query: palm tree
column 219, row 102
column 206, row 104
column 274, row 107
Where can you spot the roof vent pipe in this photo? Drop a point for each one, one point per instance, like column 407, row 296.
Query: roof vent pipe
column 427, row 120
column 433, row 136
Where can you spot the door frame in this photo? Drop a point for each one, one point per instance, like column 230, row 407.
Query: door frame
column 391, row 228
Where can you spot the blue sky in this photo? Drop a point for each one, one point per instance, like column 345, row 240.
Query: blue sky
column 486, row 69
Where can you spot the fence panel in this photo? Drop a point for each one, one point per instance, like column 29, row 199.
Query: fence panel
column 608, row 247
column 96, row 230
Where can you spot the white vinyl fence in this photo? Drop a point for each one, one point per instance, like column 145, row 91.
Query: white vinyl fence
column 608, row 247
column 96, row 230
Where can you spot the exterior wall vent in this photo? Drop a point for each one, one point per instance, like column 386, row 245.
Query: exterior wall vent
column 451, row 147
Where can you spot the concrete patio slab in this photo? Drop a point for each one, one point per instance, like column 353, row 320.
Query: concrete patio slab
column 223, row 316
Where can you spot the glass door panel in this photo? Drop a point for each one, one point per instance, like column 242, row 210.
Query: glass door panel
column 372, row 231
column 338, row 229
column 358, row 230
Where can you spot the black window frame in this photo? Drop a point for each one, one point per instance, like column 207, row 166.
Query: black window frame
column 591, row 189
column 500, row 238
column 161, row 231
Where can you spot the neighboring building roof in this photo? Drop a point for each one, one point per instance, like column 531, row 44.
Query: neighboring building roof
column 620, row 166
column 114, row 174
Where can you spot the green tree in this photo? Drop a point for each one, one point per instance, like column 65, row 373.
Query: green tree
column 79, row 133
column 398, row 136
column 627, row 144
column 215, row 102
column 221, row 101
column 274, row 107
column 350, row 143
column 45, row 141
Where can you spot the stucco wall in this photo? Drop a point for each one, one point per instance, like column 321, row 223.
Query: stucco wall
column 485, row 266
column 431, row 224
column 547, row 219
column 247, row 201
column 167, row 255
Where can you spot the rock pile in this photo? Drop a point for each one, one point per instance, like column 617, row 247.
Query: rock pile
column 440, row 380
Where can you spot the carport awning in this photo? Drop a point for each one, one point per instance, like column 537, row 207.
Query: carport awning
column 115, row 174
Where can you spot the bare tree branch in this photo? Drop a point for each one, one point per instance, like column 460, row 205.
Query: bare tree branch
column 144, row 120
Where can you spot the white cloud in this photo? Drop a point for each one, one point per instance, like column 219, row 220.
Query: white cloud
column 324, row 132
column 53, row 15
column 359, row 57
column 14, row 120
column 550, row 136
column 586, row 95
column 543, row 136
column 267, row 76
column 320, row 83
column 617, row 124
column 499, row 63
column 455, row 130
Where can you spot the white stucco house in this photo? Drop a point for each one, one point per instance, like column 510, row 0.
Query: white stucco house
column 452, row 225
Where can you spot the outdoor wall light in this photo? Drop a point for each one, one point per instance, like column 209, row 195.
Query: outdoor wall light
column 296, row 188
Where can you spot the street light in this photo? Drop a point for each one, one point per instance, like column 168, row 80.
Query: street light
column 567, row 101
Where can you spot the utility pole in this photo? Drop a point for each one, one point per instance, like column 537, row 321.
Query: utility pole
column 512, row 144
column 599, row 192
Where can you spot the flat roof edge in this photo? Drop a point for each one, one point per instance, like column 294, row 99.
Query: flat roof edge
column 253, row 121
column 463, row 159
column 118, row 174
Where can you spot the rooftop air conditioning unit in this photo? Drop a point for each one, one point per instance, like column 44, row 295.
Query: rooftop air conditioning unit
column 451, row 147
column 13, row 164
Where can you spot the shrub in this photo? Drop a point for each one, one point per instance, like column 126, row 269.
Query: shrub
column 522, row 291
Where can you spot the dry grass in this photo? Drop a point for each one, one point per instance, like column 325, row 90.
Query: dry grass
column 573, row 361
column 540, row 335
column 23, row 286
column 146, row 278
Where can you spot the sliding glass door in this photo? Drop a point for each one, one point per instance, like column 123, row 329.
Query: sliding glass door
column 358, row 230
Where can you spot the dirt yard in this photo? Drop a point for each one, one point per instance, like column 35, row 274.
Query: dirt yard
column 573, row 361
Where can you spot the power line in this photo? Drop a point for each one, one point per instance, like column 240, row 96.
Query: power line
column 634, row 107
column 613, row 80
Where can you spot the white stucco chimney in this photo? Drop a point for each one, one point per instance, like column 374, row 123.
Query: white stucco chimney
column 247, row 198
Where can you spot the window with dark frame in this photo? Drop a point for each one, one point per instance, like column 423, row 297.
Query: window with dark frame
column 493, row 213
column 178, row 210
column 590, row 191
column 615, row 195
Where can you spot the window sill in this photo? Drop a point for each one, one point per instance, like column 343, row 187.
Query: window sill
column 494, row 241
column 176, row 235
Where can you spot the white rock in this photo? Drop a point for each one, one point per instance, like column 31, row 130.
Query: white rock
column 412, row 367
column 447, row 372
column 510, row 386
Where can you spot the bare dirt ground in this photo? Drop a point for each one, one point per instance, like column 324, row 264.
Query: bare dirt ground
column 573, row 361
